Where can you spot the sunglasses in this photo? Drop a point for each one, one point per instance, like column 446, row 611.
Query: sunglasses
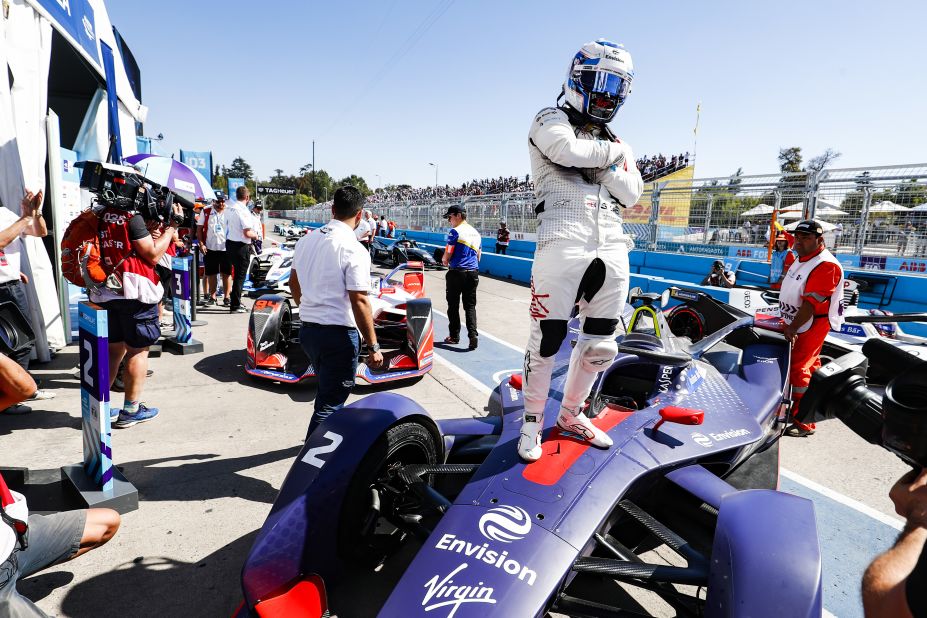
column 20, row 528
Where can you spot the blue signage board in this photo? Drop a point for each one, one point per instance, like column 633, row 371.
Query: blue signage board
column 692, row 249
column 180, row 282
column 234, row 183
column 201, row 161
column 77, row 19
column 93, row 341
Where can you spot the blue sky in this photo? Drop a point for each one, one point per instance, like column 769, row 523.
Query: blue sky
column 387, row 87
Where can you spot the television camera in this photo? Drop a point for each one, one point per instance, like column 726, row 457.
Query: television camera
column 123, row 187
column 895, row 420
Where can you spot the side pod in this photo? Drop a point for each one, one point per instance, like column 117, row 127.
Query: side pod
column 753, row 573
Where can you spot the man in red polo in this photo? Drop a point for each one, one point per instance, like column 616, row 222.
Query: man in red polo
column 810, row 304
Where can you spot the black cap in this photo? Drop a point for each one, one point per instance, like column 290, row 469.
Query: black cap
column 220, row 196
column 719, row 263
column 809, row 226
column 454, row 210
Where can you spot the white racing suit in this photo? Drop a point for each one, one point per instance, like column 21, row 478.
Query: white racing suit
column 583, row 175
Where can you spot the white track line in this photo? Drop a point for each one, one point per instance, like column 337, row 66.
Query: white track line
column 464, row 375
column 895, row 523
column 483, row 333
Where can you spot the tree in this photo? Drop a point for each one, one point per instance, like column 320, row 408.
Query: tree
column 355, row 181
column 790, row 159
column 821, row 161
column 278, row 172
column 240, row 169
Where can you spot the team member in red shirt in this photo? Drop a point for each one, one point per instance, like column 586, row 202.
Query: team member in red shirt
column 810, row 304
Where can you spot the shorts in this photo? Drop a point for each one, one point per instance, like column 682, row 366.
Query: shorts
column 217, row 262
column 52, row 539
column 132, row 322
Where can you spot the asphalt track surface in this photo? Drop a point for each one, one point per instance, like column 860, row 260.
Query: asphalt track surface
column 210, row 465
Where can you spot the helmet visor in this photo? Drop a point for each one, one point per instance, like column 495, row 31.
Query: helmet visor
column 603, row 82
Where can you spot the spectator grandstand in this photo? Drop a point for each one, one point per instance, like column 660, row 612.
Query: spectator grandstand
column 651, row 168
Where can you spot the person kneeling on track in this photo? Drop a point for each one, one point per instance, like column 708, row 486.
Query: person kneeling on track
column 584, row 175
column 30, row 543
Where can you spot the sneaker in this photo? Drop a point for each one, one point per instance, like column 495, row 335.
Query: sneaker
column 797, row 431
column 452, row 340
column 41, row 395
column 529, row 439
column 240, row 309
column 226, row 301
column 127, row 420
column 114, row 414
column 577, row 422
column 17, row 409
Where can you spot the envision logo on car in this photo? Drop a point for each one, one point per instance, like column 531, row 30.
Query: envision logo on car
column 701, row 439
column 505, row 524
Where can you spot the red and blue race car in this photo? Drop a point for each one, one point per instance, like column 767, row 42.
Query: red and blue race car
column 402, row 318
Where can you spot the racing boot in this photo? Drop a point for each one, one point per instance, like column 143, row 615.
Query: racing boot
column 575, row 420
column 529, row 440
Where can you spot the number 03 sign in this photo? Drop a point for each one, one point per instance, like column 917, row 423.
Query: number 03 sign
column 94, row 394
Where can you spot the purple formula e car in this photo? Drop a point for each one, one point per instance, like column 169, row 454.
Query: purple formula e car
column 389, row 512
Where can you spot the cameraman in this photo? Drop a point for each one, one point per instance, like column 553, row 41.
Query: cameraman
column 719, row 277
column 894, row 584
column 131, row 296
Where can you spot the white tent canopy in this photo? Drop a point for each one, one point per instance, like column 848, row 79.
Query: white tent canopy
column 758, row 210
column 887, row 206
column 825, row 211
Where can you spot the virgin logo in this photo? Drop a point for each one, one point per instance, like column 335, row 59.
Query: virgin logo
column 505, row 524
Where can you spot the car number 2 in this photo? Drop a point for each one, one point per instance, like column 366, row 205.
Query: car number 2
column 312, row 455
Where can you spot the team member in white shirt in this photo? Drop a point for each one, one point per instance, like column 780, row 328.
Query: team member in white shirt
column 238, row 244
column 212, row 228
column 334, row 270
column 12, row 281
column 364, row 229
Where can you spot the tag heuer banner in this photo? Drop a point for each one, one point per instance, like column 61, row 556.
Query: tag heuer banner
column 201, row 161
column 275, row 190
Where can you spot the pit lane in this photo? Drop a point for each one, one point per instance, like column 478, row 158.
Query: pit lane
column 208, row 468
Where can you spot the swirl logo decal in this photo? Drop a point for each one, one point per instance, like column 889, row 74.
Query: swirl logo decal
column 505, row 524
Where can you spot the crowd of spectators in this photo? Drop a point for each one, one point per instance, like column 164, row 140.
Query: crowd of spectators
column 485, row 186
column 660, row 165
column 650, row 168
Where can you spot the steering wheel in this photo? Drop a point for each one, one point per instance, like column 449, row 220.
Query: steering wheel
column 673, row 359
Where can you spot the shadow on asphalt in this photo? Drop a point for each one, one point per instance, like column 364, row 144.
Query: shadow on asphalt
column 204, row 477
column 37, row 419
column 154, row 586
column 229, row 367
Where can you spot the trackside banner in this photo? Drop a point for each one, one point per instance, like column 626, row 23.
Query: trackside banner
column 77, row 19
column 200, row 160
column 265, row 190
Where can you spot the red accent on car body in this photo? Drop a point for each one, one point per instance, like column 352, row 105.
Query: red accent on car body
column 561, row 449
column 306, row 599
column 680, row 416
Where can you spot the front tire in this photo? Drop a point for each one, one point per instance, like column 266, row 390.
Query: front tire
column 359, row 542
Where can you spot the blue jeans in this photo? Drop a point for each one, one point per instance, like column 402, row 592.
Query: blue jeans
column 333, row 351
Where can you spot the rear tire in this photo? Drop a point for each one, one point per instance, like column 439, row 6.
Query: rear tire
column 408, row 442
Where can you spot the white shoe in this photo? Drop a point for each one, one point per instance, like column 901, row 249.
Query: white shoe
column 529, row 440
column 577, row 422
column 41, row 395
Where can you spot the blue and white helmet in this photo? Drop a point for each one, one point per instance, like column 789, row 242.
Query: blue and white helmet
column 599, row 80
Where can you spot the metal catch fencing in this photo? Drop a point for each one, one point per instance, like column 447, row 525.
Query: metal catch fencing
column 876, row 211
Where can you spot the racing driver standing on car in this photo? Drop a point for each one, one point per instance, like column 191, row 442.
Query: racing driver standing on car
column 810, row 304
column 584, row 176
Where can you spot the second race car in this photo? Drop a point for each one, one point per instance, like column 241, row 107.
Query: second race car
column 401, row 314
column 397, row 251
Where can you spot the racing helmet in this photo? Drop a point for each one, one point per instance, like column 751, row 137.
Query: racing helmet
column 599, row 80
